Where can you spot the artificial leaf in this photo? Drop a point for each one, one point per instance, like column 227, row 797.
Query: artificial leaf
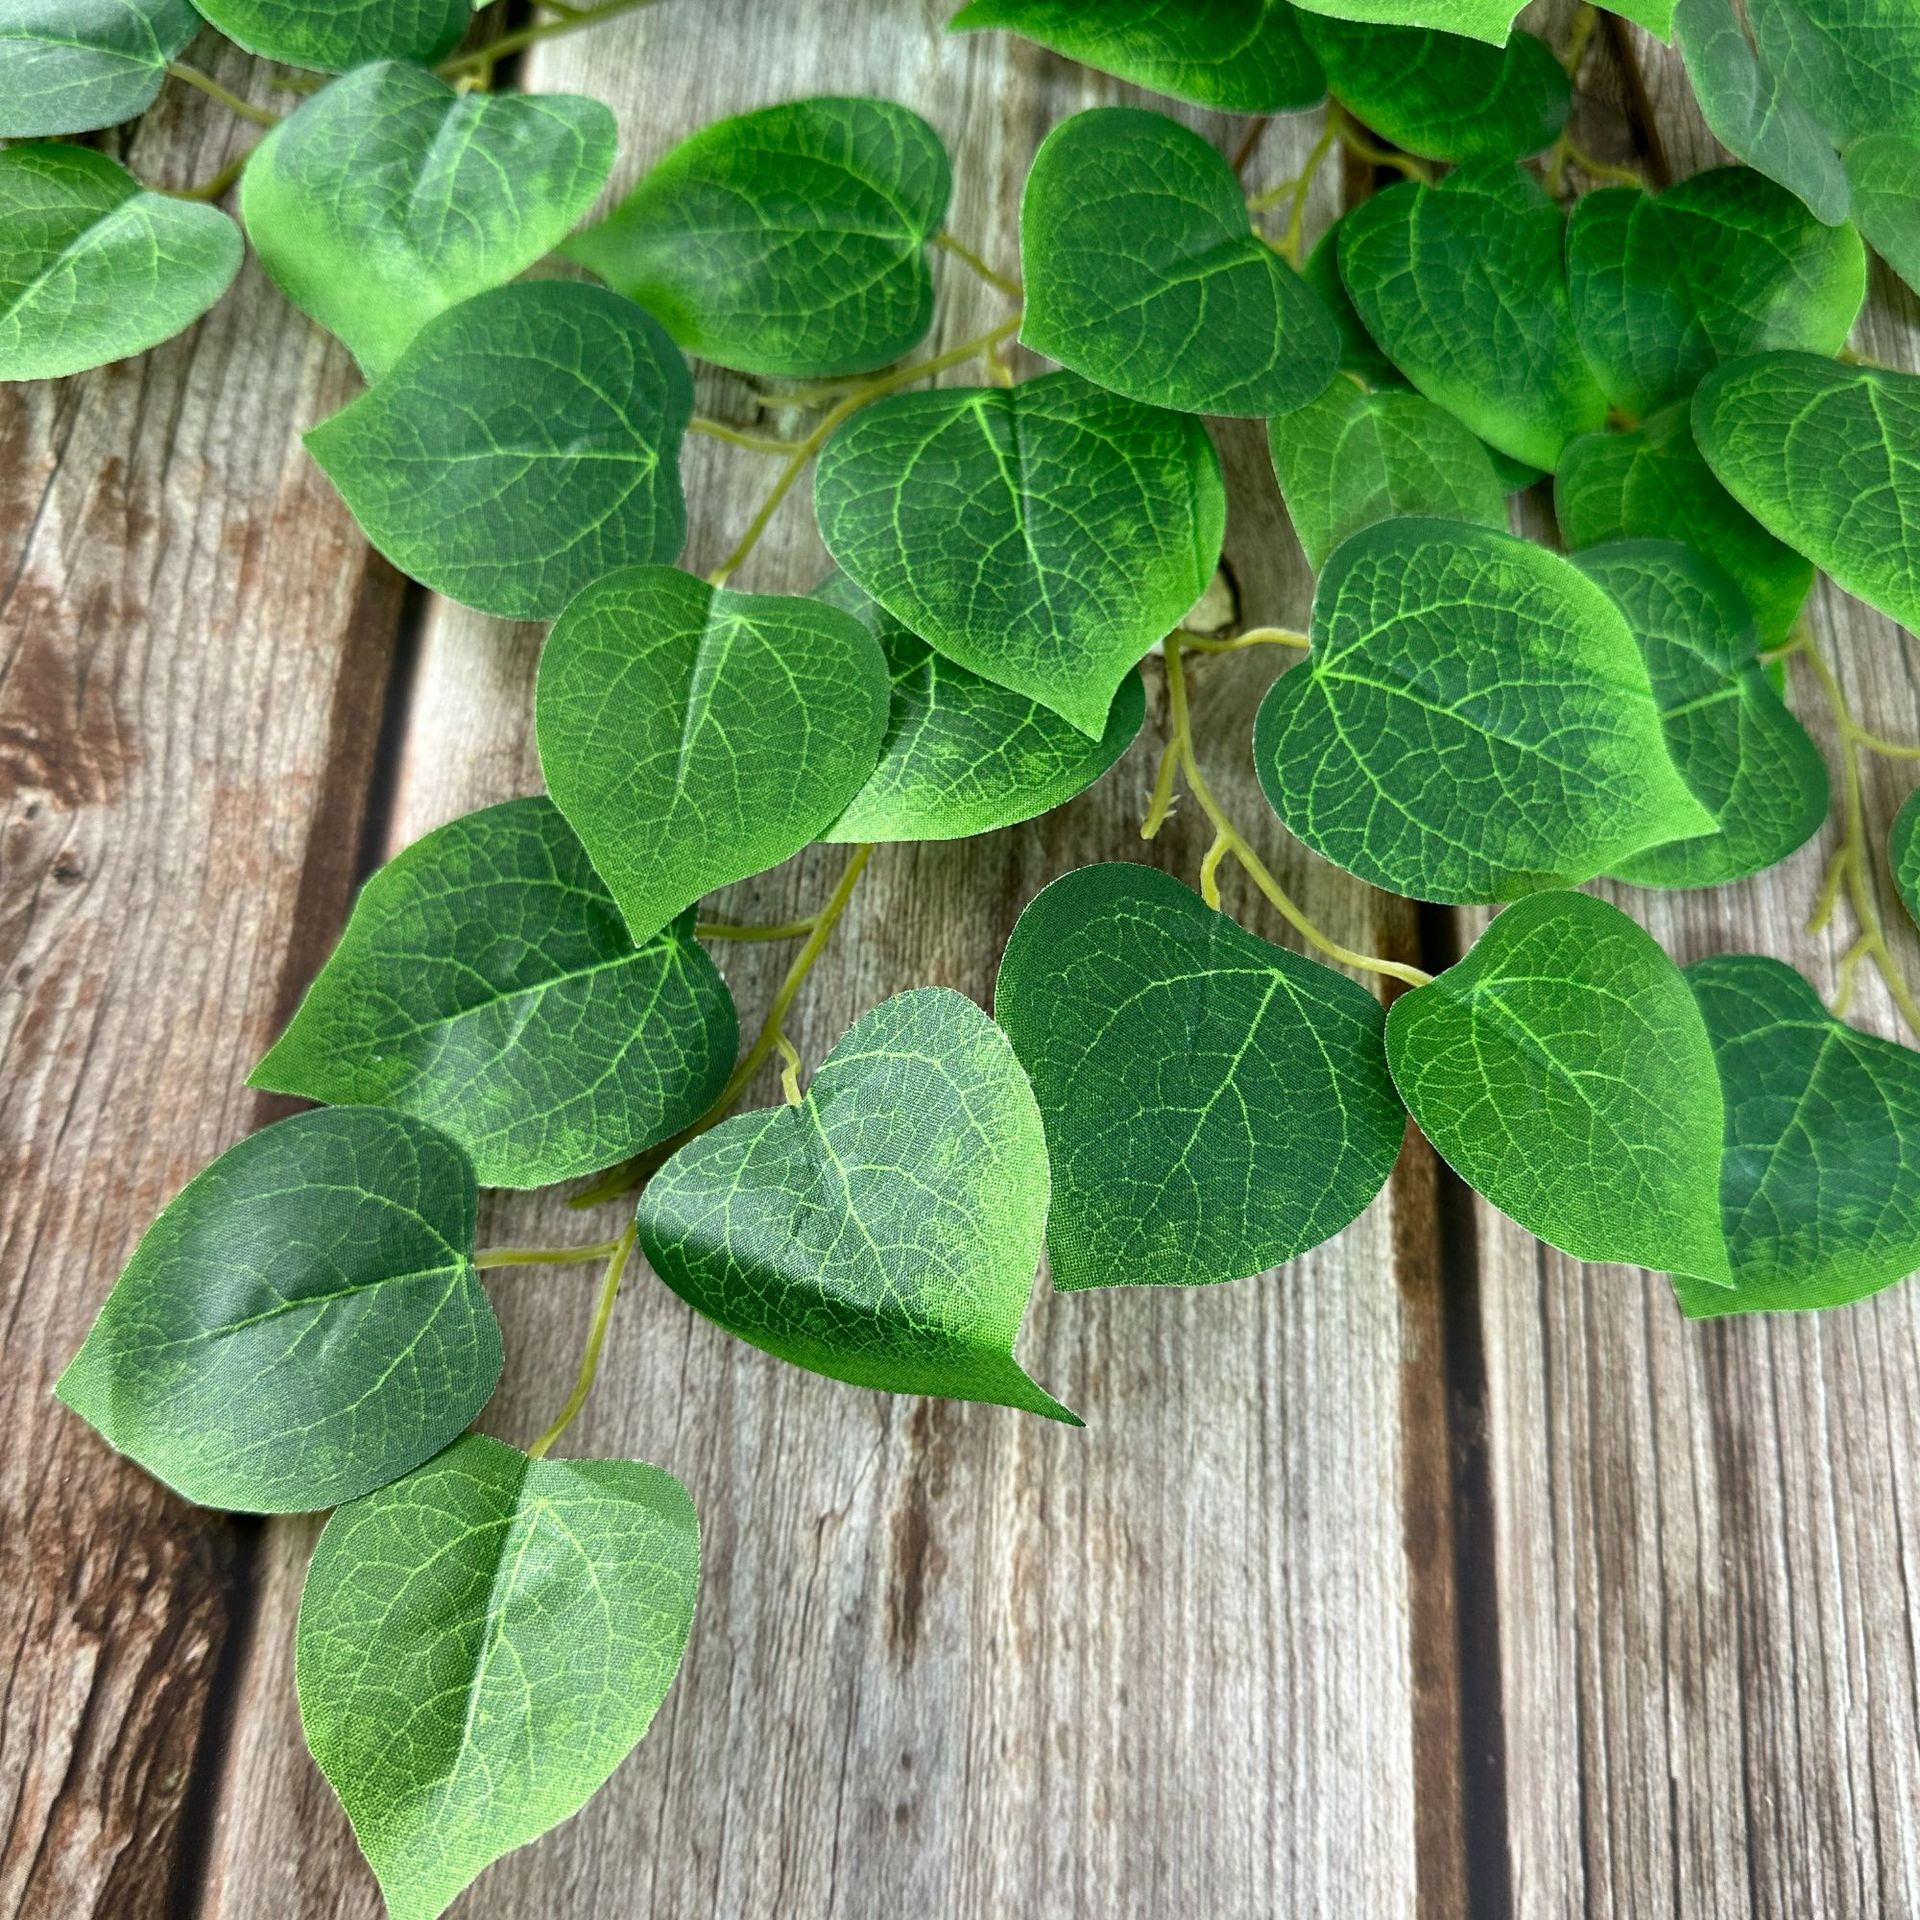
column 1464, row 286
column 487, row 984
column 93, row 267
column 303, row 1323
column 886, row 1230
column 1854, row 64
column 1482, row 19
column 693, row 735
column 1143, row 273
column 1883, row 174
column 1747, row 760
column 73, row 65
column 1820, row 1174
column 1044, row 535
column 1240, row 56
column 1214, row 1105
column 1824, row 457
column 389, row 197
column 1903, row 854
column 961, row 755
column 1352, row 458
column 1474, row 721
column 526, row 442
column 333, row 37
column 791, row 241
column 1443, row 95
column 1563, row 1070
column 481, row 1644
column 1727, row 262
column 1653, row 484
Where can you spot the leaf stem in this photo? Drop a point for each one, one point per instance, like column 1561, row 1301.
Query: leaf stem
column 212, row 189
column 1253, row 637
column 1357, row 143
column 739, row 437
column 544, row 1256
column 1294, row 191
column 730, row 930
column 179, row 70
column 1000, row 282
column 572, row 19
column 596, row 1340
column 1580, row 38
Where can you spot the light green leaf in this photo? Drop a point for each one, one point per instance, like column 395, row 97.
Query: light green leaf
column 885, row 1231
column 334, row 37
column 791, row 241
column 526, row 442
column 1440, row 94
column 1044, row 535
column 487, row 985
column 1653, row 484
column 1820, row 1178
column 481, row 1644
column 1827, row 458
column 1747, row 760
column 1655, row 15
column 388, row 197
column 1562, row 1069
column 1241, row 56
column 1883, row 172
column 94, row 268
column 1464, row 287
column 303, row 1323
column 1483, row 19
column 1903, row 854
column 1143, row 273
column 1352, row 458
column 1854, row 64
column 693, row 735
column 1726, row 263
column 962, row 756
column 1474, row 721
column 73, row 65
column 1214, row 1105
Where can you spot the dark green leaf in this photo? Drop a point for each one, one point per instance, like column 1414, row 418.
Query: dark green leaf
column 73, row 65
column 1358, row 354
column 1854, row 64
column 1903, row 854
column 1214, row 1105
column 334, row 37
column 303, row 1323
column 1883, row 171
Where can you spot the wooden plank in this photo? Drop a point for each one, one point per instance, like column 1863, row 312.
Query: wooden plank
column 193, row 649
column 950, row 1660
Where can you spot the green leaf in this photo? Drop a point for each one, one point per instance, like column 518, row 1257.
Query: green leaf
column 1483, row 19
column 388, row 197
column 1214, row 1105
column 333, row 37
column 962, row 756
column 1826, row 457
column 1464, row 287
column 886, row 1230
column 303, row 1323
column 1143, row 273
column 693, row 735
column 1653, row 484
column 790, row 241
column 1854, row 64
column 1044, row 535
column 1358, row 353
column 1725, row 263
column 1883, row 172
column 1241, row 56
column 73, row 65
column 1903, row 854
column 1474, row 721
column 1440, row 94
column 1753, row 115
column 1820, row 1178
column 93, row 268
column 525, row 443
column 487, row 984
column 1655, row 15
column 1747, row 760
column 481, row 1644
column 1351, row 458
column 1562, row 1069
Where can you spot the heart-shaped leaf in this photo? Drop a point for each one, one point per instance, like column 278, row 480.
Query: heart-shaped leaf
column 962, row 756
column 886, row 1230
column 1665, row 287
column 1359, row 355
column 1143, row 274
column 1483, row 19
column 1883, row 175
column 1820, row 1178
column 1563, row 1070
column 389, row 197
column 93, row 267
column 1748, row 761
column 1214, row 1105
column 790, row 241
column 526, row 442
column 1853, row 64
column 333, row 37
column 1474, row 721
column 1045, row 535
column 487, row 984
column 1464, row 285
column 693, row 735
column 303, row 1323
column 73, row 65
column 481, row 1644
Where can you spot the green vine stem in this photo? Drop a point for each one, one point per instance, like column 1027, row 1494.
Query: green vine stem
column 543, row 1256
column 193, row 77
column 622, row 1251
column 481, row 61
column 1000, row 282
